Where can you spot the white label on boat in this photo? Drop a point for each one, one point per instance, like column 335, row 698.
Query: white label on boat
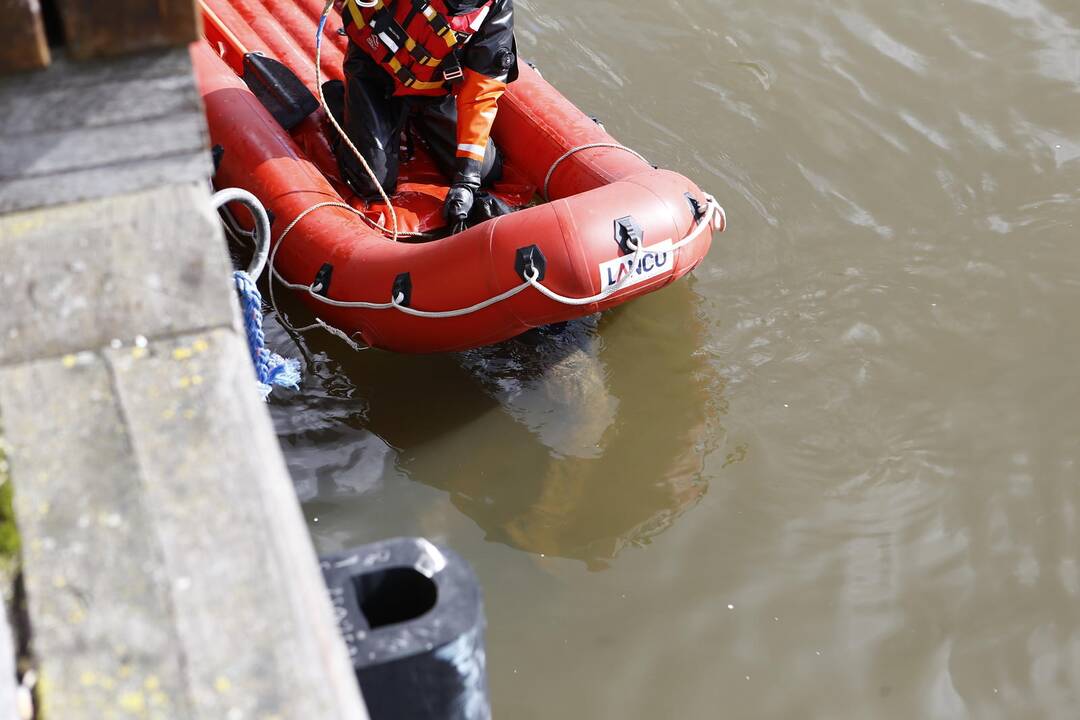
column 657, row 260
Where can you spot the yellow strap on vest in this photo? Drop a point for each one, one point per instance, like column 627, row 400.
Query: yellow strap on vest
column 413, row 83
column 447, row 34
column 410, row 45
column 357, row 16
column 449, row 37
column 419, row 85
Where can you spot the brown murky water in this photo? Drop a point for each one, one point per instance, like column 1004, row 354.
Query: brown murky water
column 835, row 474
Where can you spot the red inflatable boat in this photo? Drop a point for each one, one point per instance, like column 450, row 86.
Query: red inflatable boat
column 610, row 227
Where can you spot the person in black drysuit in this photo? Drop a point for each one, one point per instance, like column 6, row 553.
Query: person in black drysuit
column 455, row 124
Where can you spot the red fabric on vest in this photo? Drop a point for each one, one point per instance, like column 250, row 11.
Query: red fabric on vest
column 423, row 33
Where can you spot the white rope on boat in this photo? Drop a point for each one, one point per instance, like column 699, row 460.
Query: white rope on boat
column 281, row 240
column 573, row 151
column 713, row 216
column 344, row 136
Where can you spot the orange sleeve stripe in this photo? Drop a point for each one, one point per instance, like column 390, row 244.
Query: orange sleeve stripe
column 477, row 105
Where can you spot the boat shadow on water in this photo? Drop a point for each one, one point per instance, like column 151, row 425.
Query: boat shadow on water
column 572, row 441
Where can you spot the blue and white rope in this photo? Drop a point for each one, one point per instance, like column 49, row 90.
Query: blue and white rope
column 270, row 368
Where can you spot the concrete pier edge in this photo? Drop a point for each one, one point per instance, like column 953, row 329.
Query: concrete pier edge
column 168, row 568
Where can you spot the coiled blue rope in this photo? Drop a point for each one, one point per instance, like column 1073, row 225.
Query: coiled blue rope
column 270, row 368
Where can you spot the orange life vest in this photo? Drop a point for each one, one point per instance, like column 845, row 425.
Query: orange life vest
column 414, row 40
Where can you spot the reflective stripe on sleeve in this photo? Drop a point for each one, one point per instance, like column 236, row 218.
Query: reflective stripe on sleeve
column 477, row 101
column 473, row 150
column 480, row 17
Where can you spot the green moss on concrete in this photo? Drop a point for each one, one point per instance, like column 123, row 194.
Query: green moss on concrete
column 10, row 560
column 9, row 533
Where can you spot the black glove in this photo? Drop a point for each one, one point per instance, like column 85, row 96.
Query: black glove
column 459, row 202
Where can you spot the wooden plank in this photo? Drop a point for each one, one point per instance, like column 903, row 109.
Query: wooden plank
column 49, row 107
column 100, row 181
column 22, row 41
column 65, row 74
column 139, row 118
column 168, row 565
column 169, row 570
column 78, row 276
column 101, row 28
column 58, row 152
column 99, row 600
column 257, row 626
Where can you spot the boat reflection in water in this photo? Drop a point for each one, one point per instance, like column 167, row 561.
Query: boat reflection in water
column 571, row 442
column 621, row 424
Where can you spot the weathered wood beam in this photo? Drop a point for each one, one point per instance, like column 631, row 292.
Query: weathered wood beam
column 101, row 28
column 132, row 266
column 83, row 130
column 22, row 36
column 169, row 570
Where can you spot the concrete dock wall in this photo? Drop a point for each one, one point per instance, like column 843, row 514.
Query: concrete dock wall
column 168, row 569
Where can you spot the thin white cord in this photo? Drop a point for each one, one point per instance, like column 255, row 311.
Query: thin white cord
column 334, row 122
column 713, row 216
column 579, row 148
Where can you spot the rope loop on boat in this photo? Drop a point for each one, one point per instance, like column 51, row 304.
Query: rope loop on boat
column 270, row 368
column 573, row 151
column 261, row 233
column 713, row 216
